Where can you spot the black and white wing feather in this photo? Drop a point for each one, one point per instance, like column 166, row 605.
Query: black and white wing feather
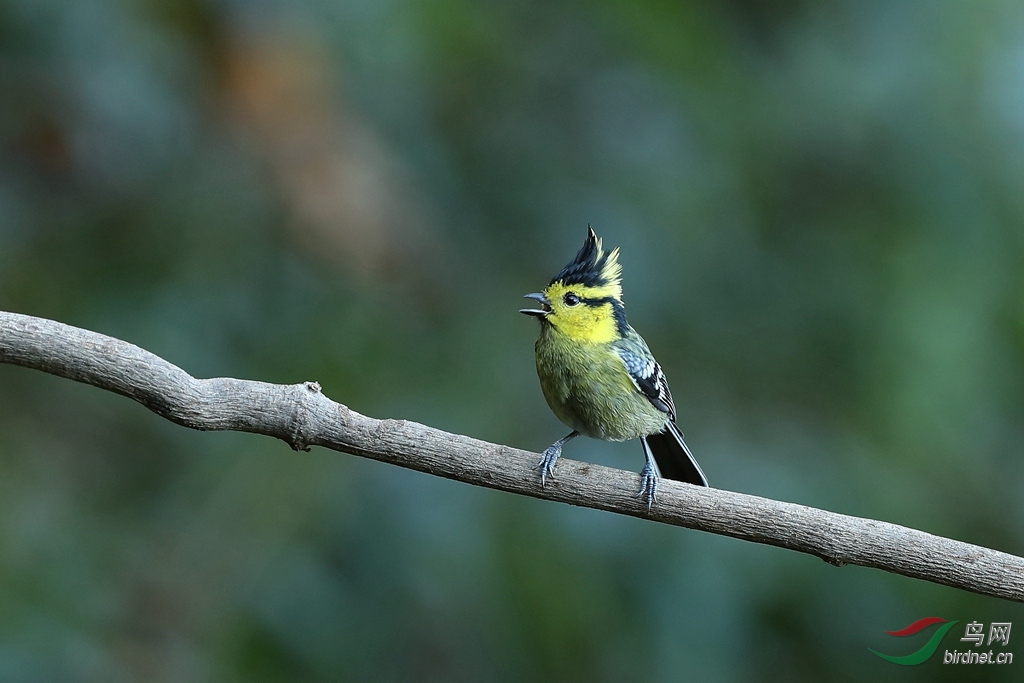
column 673, row 457
column 649, row 379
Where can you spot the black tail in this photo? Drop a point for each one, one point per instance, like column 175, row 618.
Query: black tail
column 673, row 457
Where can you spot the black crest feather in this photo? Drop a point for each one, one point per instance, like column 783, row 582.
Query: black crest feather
column 592, row 266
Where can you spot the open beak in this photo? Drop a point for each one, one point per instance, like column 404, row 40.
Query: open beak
column 545, row 306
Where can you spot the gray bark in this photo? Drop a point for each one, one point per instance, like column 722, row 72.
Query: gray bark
column 302, row 416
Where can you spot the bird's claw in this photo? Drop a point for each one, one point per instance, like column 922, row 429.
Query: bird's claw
column 648, row 486
column 547, row 463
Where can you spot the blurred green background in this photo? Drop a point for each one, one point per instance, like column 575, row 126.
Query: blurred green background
column 820, row 212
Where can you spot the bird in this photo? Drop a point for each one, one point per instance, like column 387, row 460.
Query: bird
column 598, row 374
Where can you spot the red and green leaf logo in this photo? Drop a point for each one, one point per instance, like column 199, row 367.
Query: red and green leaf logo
column 926, row 650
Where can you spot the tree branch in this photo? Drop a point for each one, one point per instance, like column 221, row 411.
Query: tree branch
column 302, row 416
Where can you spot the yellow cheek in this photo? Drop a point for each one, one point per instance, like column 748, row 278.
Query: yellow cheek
column 594, row 325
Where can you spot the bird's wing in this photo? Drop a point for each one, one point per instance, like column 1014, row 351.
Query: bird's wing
column 647, row 376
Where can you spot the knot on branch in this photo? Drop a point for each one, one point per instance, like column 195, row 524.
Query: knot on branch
column 301, row 431
column 834, row 560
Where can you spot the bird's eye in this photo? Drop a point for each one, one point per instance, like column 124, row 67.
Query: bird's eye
column 571, row 299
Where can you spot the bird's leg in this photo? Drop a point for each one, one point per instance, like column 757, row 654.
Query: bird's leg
column 648, row 478
column 551, row 453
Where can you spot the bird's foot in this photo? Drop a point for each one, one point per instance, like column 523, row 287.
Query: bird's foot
column 547, row 463
column 648, row 486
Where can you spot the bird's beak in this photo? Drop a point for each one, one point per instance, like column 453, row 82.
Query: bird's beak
column 545, row 306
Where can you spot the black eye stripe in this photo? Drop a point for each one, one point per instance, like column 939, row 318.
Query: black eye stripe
column 574, row 299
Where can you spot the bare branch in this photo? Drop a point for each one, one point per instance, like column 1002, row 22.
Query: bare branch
column 302, row 416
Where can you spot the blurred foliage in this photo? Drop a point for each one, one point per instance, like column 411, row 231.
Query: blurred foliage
column 820, row 211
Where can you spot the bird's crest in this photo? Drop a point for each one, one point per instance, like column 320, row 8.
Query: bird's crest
column 594, row 268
